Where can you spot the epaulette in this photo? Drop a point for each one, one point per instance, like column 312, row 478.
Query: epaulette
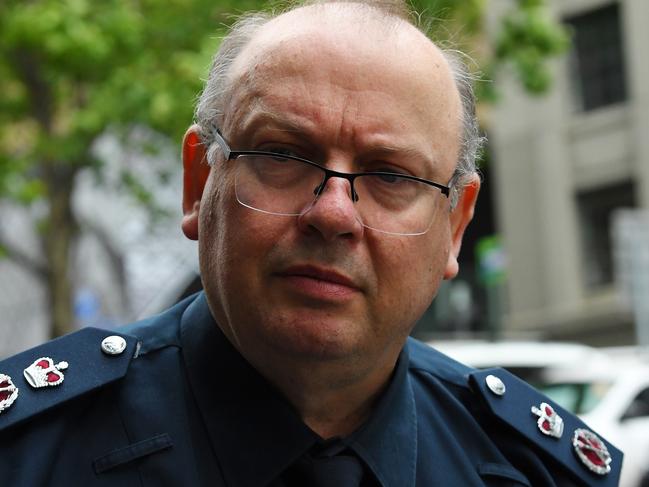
column 58, row 371
column 544, row 424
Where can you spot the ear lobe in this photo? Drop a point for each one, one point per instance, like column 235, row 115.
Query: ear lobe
column 460, row 217
column 195, row 173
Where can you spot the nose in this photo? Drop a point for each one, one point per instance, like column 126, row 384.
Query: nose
column 333, row 214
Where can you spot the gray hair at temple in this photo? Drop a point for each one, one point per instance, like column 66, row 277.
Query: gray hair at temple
column 209, row 110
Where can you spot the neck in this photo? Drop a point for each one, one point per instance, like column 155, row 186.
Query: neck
column 331, row 398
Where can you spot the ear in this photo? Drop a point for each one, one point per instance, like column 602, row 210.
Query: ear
column 195, row 173
column 460, row 218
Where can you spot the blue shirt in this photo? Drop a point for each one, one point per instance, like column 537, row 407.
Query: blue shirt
column 181, row 407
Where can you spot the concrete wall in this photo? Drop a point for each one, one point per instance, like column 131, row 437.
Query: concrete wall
column 545, row 151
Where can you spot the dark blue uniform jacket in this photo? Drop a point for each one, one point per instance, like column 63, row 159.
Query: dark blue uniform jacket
column 180, row 407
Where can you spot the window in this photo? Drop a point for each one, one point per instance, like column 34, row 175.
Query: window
column 639, row 407
column 597, row 58
column 595, row 208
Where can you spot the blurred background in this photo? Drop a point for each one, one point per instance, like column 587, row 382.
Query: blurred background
column 95, row 97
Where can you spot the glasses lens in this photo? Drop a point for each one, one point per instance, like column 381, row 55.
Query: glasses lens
column 392, row 204
column 284, row 186
column 276, row 185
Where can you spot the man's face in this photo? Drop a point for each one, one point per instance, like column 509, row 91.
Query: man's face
column 321, row 286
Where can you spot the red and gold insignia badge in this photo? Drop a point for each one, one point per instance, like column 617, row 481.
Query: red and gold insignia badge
column 43, row 373
column 549, row 422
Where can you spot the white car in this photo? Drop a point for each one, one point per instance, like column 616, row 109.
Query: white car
column 607, row 388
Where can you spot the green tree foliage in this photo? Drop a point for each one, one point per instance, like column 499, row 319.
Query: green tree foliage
column 70, row 70
column 525, row 38
column 528, row 37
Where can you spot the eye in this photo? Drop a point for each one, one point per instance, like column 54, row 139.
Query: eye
column 390, row 178
column 391, row 172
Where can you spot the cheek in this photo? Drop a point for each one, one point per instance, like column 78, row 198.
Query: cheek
column 410, row 272
column 232, row 239
column 215, row 226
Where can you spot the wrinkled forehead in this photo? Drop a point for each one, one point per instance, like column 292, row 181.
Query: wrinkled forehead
column 349, row 40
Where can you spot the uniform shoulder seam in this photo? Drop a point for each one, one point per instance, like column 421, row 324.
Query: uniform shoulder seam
column 426, row 359
column 159, row 331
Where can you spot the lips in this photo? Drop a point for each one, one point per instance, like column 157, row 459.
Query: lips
column 320, row 274
column 319, row 283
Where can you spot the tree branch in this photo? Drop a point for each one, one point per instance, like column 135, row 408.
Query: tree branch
column 115, row 256
column 40, row 91
column 17, row 255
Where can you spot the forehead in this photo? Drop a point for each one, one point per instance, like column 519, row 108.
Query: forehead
column 330, row 59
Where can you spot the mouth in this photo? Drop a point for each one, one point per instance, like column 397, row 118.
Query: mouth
column 319, row 283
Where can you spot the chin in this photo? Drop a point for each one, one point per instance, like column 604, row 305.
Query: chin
column 316, row 340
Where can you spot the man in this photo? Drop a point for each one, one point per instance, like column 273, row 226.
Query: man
column 328, row 180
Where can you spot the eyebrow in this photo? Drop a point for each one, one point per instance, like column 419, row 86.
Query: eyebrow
column 400, row 151
column 279, row 122
column 282, row 123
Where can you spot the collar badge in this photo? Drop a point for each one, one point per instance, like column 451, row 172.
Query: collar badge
column 43, row 372
column 8, row 392
column 549, row 422
column 592, row 451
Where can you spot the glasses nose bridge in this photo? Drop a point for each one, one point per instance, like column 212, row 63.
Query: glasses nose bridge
column 330, row 174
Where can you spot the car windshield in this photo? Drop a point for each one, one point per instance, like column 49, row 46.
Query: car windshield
column 568, row 388
column 574, row 376
column 576, row 397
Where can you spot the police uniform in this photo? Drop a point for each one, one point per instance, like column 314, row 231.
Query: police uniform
column 169, row 402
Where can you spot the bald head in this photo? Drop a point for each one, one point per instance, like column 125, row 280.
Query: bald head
column 339, row 19
column 321, row 26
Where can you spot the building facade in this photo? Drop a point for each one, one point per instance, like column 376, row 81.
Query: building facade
column 563, row 164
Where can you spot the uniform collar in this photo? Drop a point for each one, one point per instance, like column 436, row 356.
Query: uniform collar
column 244, row 413
column 388, row 441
